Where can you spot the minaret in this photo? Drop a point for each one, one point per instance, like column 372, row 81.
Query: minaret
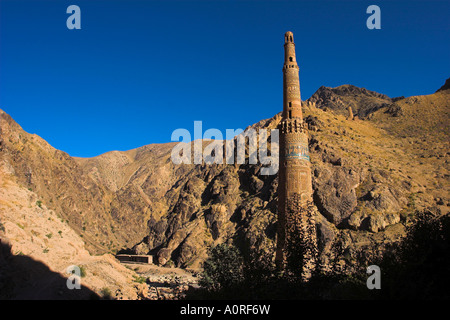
column 294, row 179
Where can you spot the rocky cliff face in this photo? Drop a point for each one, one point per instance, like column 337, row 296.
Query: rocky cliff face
column 368, row 177
column 364, row 183
column 361, row 101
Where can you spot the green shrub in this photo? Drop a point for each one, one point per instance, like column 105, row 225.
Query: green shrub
column 106, row 293
column 169, row 264
column 82, row 271
column 223, row 269
column 139, row 279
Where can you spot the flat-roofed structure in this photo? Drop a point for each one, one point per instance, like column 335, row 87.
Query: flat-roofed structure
column 132, row 258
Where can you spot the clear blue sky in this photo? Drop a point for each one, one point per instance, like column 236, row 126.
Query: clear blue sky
column 137, row 70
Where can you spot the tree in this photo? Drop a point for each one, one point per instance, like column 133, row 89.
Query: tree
column 223, row 270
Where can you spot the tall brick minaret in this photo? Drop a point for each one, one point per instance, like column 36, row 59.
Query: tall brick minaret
column 294, row 176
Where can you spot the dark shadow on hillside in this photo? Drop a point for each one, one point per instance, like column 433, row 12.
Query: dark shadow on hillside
column 23, row 278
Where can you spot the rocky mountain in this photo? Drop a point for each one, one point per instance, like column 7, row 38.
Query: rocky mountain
column 37, row 246
column 339, row 99
column 446, row 86
column 369, row 175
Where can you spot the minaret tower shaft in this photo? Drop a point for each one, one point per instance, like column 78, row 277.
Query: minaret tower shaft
column 294, row 183
column 292, row 103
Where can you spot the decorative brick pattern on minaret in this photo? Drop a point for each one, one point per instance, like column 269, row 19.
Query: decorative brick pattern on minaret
column 294, row 180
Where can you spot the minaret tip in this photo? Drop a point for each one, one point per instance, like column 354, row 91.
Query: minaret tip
column 288, row 37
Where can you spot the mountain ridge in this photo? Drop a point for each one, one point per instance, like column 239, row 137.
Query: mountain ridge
column 363, row 182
